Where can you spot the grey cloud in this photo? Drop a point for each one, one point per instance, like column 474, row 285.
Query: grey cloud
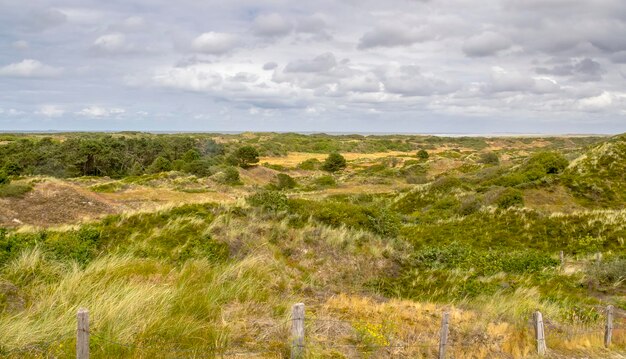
column 392, row 34
column 270, row 66
column 410, row 81
column 321, row 63
column 582, row 70
column 515, row 81
column 619, row 57
column 40, row 20
column 486, row 44
column 271, row 25
column 312, row 24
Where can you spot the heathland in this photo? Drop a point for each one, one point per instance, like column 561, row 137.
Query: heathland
column 197, row 245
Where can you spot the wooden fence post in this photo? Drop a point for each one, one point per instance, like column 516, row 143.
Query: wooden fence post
column 608, row 329
column 539, row 333
column 297, row 331
column 443, row 335
column 562, row 258
column 82, row 334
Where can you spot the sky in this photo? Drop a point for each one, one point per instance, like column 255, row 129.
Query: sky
column 404, row 66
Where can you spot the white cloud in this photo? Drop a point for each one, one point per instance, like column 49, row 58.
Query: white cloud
column 193, row 78
column 112, row 44
column 29, row 68
column 51, row 111
column 100, row 112
column 214, row 43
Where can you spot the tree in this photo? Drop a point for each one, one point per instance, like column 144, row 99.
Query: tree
column 334, row 162
column 191, row 155
column 422, row 155
column 160, row 164
column 246, row 156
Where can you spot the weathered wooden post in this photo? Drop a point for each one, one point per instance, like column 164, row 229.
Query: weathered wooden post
column 539, row 333
column 82, row 334
column 562, row 258
column 443, row 335
column 297, row 331
column 608, row 328
column 598, row 257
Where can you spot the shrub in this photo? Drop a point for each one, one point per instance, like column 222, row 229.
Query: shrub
column 325, row 181
column 334, row 162
column 510, row 197
column 200, row 168
column 422, row 154
column 109, row 187
column 469, row 205
column 489, row 158
column 445, row 184
column 160, row 164
column 269, row 200
column 310, row 165
column 247, row 156
column 14, row 189
column 548, row 162
column 4, row 178
column 191, row 155
column 229, row 176
column 285, row 181
column 611, row 272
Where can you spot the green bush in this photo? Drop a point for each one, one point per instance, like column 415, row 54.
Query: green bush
column 548, row 162
column 4, row 178
column 310, row 165
column 325, row 181
column 510, row 197
column 269, row 200
column 160, row 164
column 109, row 187
column 229, row 176
column 285, row 181
column 334, row 162
column 15, row 189
column 489, row 158
column 422, row 154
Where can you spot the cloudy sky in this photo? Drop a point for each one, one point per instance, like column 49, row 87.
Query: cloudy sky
column 430, row 66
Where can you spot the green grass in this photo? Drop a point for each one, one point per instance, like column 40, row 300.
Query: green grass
column 14, row 190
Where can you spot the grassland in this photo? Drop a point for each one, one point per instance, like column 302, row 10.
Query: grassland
column 184, row 264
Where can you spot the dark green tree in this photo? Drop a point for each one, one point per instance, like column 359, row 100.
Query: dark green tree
column 191, row 155
column 334, row 162
column 246, row 156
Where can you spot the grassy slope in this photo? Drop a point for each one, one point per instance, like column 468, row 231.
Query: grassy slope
column 374, row 270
